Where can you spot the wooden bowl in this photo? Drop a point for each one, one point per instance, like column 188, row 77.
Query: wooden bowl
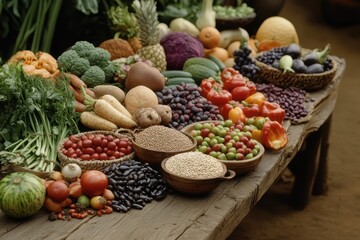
column 234, row 23
column 155, row 157
column 246, row 165
column 195, row 186
column 238, row 166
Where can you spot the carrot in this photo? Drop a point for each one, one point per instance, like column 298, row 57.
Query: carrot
column 116, row 104
column 79, row 107
column 94, row 121
column 78, row 95
column 106, row 110
column 90, row 92
column 75, row 81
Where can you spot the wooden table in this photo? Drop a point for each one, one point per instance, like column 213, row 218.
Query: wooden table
column 216, row 215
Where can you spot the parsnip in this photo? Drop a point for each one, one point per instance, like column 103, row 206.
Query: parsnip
column 104, row 109
column 116, row 104
column 94, row 121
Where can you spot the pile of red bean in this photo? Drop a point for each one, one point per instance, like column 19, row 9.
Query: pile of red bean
column 292, row 99
column 187, row 105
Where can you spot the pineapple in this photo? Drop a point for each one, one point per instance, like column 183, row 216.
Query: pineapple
column 147, row 20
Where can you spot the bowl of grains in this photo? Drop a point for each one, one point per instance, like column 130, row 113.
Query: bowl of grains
column 194, row 173
column 154, row 144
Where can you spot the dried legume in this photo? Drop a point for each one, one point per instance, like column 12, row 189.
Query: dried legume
column 161, row 138
column 134, row 184
column 194, row 164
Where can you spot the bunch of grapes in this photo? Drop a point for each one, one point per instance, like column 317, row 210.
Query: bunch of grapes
column 245, row 64
column 272, row 55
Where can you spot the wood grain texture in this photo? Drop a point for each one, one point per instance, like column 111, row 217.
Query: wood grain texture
column 213, row 216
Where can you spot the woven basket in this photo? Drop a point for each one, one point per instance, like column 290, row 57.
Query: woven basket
column 306, row 81
column 96, row 164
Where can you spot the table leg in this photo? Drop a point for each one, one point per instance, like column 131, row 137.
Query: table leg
column 309, row 167
column 320, row 184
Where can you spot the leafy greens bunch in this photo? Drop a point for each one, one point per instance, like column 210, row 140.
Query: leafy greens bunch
column 36, row 115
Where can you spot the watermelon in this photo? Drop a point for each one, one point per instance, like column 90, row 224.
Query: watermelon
column 22, row 194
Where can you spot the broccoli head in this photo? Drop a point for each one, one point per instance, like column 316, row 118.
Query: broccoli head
column 83, row 48
column 79, row 66
column 99, row 57
column 67, row 59
column 109, row 71
column 93, row 76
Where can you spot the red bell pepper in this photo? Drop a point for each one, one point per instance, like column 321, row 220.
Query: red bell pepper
column 207, row 84
column 232, row 78
column 273, row 111
column 250, row 110
column 273, row 135
column 218, row 96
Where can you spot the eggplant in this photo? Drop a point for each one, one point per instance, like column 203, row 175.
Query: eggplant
column 298, row 66
column 315, row 68
column 285, row 63
column 316, row 56
column 294, row 50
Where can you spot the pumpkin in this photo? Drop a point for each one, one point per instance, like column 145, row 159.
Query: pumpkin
column 22, row 194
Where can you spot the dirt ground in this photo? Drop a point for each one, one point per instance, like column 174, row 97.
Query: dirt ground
column 335, row 215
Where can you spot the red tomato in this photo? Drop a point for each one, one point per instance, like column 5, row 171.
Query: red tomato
column 240, row 93
column 93, row 182
column 96, row 141
column 111, row 145
column 58, row 191
column 123, row 143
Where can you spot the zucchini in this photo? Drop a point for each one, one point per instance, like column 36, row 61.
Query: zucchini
column 202, row 61
column 178, row 80
column 200, row 72
column 218, row 62
column 176, row 73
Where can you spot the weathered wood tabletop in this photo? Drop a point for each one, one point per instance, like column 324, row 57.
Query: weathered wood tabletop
column 213, row 216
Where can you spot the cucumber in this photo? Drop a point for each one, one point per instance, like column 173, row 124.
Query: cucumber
column 217, row 61
column 178, row 80
column 202, row 61
column 200, row 72
column 176, row 73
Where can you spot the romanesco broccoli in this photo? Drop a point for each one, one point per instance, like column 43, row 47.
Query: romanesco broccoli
column 99, row 57
column 83, row 48
column 80, row 66
column 66, row 59
column 93, row 76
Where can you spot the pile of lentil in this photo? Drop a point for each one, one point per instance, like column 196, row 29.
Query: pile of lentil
column 134, row 184
column 194, row 165
column 161, row 138
column 293, row 100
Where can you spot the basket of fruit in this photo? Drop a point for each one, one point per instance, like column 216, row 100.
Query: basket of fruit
column 294, row 66
column 96, row 149
column 228, row 142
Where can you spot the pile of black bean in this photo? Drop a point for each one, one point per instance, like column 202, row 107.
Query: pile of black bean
column 187, row 105
column 292, row 99
column 134, row 184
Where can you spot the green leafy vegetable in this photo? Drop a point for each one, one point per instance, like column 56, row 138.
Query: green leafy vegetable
column 36, row 115
column 87, row 6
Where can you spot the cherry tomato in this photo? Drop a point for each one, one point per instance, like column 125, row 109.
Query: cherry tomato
column 58, row 191
column 67, row 144
column 96, row 141
column 111, row 145
column 87, row 143
column 93, row 182
column 123, row 143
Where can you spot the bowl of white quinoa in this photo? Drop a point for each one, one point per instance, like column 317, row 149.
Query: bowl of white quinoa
column 194, row 173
